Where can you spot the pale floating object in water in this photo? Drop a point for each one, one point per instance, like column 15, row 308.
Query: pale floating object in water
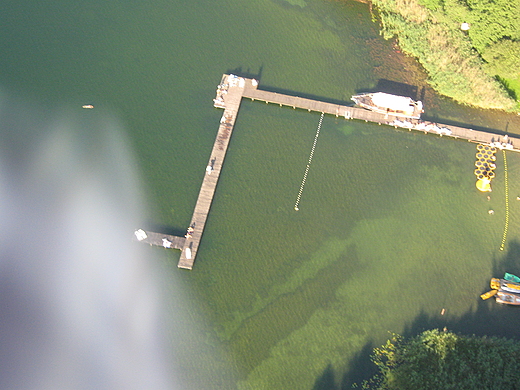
column 87, row 106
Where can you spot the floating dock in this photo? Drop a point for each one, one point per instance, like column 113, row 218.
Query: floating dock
column 158, row 239
column 230, row 92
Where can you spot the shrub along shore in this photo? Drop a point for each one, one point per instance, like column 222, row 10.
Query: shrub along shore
column 469, row 48
column 438, row 359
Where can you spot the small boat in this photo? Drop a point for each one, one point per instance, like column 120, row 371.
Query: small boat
column 385, row 103
column 507, row 298
column 505, row 285
column 188, row 253
column 489, row 294
column 511, row 277
column 87, row 106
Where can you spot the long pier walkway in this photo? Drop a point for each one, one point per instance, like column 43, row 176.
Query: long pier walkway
column 230, row 92
column 349, row 112
column 229, row 96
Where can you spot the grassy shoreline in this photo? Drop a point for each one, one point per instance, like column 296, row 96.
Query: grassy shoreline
column 466, row 66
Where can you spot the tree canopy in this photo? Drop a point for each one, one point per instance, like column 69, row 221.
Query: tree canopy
column 472, row 66
column 443, row 360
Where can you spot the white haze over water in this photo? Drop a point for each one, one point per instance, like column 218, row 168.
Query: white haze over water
column 81, row 305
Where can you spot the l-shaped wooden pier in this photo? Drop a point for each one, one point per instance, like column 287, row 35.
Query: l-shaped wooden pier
column 230, row 92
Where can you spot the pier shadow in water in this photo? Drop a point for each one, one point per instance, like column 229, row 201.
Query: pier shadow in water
column 239, row 71
column 437, row 119
column 164, row 229
column 305, row 95
column 489, row 319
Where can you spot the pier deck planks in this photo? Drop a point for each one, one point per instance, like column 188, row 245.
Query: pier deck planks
column 229, row 96
column 231, row 103
column 157, row 239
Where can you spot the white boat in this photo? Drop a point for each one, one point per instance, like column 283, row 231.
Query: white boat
column 385, row 103
column 188, row 253
column 87, row 106
column 507, row 298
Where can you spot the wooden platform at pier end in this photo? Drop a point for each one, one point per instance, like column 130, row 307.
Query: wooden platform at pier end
column 158, row 239
column 229, row 95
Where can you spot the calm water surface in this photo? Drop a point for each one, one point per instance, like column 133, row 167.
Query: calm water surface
column 390, row 231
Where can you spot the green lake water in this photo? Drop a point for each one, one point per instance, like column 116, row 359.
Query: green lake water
column 391, row 229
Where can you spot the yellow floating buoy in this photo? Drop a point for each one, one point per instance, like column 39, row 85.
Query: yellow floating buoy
column 491, row 175
column 484, row 185
column 480, row 146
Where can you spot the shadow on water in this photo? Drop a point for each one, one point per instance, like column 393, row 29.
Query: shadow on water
column 326, row 380
column 360, row 368
column 489, row 319
column 305, row 95
column 383, row 85
column 164, row 229
column 436, row 118
column 395, row 88
column 249, row 74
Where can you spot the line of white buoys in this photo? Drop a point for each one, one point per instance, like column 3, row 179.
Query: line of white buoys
column 308, row 164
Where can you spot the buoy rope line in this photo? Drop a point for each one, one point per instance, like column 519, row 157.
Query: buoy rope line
column 506, row 226
column 308, row 164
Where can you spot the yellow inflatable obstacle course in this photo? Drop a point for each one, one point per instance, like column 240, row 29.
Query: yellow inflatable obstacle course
column 484, row 166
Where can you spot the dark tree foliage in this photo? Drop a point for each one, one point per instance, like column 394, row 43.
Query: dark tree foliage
column 442, row 360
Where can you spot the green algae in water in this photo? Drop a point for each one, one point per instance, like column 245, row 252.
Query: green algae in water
column 389, row 220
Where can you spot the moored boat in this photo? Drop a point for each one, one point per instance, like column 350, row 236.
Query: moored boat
column 507, row 298
column 489, row 294
column 505, row 290
column 505, row 285
column 511, row 277
column 385, row 103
